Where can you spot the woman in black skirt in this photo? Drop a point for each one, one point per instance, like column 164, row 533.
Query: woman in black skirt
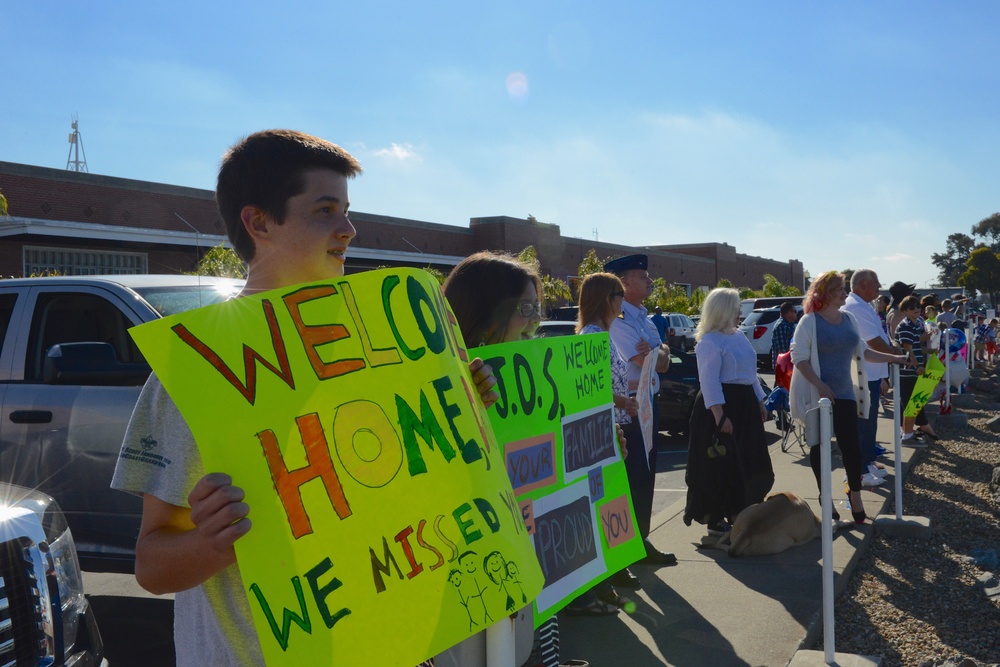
column 728, row 465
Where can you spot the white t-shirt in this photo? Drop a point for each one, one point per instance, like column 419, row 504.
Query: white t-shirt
column 869, row 326
column 212, row 622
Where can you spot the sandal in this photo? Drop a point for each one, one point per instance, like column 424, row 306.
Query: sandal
column 593, row 608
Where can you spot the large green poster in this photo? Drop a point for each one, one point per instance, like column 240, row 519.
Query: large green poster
column 555, row 422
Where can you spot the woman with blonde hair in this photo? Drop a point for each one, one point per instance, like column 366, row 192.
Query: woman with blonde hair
column 728, row 467
column 827, row 355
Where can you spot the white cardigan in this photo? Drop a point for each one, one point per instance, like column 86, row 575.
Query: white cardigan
column 804, row 395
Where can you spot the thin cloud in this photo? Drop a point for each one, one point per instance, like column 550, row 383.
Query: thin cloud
column 398, row 152
column 897, row 257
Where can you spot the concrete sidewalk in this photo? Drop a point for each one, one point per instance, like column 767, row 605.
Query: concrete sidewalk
column 713, row 610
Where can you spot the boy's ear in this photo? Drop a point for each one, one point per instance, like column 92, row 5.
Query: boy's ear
column 255, row 221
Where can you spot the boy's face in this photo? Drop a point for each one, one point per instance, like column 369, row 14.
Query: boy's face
column 311, row 243
column 913, row 313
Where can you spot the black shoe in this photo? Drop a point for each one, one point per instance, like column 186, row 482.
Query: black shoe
column 656, row 557
column 625, row 579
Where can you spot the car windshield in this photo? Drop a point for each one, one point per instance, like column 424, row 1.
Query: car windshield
column 178, row 298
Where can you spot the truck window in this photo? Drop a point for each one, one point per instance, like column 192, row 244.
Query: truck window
column 6, row 310
column 76, row 317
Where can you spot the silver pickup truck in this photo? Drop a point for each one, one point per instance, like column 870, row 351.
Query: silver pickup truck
column 44, row 617
column 69, row 378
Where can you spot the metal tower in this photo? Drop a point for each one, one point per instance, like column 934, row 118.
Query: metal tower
column 73, row 161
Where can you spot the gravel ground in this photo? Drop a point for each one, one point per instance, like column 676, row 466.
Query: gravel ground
column 917, row 603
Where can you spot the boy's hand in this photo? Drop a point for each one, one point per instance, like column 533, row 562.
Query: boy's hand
column 482, row 377
column 218, row 511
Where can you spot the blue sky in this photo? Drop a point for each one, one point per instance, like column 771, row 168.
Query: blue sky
column 842, row 134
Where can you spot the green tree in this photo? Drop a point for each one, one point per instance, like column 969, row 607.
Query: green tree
column 590, row 264
column 983, row 273
column 725, row 283
column 4, row 211
column 951, row 263
column 774, row 287
column 438, row 275
column 555, row 292
column 673, row 298
column 222, row 262
column 989, row 228
column 697, row 298
column 529, row 257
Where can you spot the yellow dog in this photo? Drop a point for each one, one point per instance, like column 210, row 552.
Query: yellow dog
column 783, row 520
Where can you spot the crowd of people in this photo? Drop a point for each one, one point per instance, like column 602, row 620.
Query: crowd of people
column 283, row 197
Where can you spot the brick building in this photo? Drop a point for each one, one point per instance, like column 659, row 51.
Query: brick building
column 75, row 222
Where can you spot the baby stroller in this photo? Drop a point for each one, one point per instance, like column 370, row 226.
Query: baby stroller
column 777, row 402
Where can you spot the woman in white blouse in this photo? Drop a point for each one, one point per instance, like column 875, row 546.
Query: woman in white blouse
column 728, row 464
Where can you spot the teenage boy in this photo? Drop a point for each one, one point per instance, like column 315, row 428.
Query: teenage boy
column 283, row 197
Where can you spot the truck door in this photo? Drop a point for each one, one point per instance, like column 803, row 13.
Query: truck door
column 63, row 439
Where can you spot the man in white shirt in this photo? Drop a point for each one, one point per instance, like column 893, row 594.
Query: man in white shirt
column 635, row 337
column 864, row 290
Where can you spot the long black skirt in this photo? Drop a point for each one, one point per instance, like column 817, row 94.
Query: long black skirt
column 726, row 473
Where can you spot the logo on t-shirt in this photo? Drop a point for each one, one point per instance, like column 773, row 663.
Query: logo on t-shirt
column 145, row 455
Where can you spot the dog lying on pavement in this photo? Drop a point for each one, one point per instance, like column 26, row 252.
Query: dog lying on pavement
column 783, row 520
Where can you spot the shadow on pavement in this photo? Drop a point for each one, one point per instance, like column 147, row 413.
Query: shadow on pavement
column 136, row 631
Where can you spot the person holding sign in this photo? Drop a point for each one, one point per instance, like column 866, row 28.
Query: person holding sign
column 635, row 337
column 284, row 199
column 828, row 353
column 496, row 300
column 911, row 336
column 601, row 298
column 728, row 467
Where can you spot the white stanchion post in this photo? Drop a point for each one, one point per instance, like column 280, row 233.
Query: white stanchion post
column 500, row 643
column 946, row 341
column 970, row 356
column 825, row 431
column 897, row 424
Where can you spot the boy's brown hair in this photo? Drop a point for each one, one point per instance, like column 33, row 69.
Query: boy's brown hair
column 909, row 303
column 265, row 170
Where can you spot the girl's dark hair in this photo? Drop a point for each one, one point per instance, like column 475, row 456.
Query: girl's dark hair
column 483, row 291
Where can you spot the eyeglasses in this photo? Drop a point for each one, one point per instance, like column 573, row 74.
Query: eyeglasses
column 528, row 308
column 621, row 294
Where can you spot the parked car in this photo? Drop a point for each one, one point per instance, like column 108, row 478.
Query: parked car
column 69, row 378
column 45, row 619
column 550, row 328
column 680, row 331
column 758, row 327
column 747, row 306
